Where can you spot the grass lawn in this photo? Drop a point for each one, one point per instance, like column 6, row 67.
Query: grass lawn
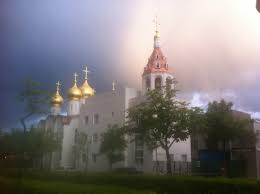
column 27, row 186
column 108, row 183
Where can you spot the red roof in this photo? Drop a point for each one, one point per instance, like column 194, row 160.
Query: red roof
column 157, row 62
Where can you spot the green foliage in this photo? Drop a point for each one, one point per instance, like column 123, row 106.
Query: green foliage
column 42, row 141
column 44, row 187
column 34, row 98
column 224, row 126
column 33, row 144
column 138, row 184
column 161, row 119
column 113, row 144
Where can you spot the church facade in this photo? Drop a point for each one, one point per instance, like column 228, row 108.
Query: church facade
column 90, row 114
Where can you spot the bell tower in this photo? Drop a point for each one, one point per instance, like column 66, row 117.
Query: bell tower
column 156, row 72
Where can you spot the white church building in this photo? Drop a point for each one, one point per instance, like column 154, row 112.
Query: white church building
column 89, row 114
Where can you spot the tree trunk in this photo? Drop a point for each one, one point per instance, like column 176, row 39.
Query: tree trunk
column 22, row 120
column 168, row 161
column 225, row 161
column 50, row 167
column 23, row 124
column 157, row 163
column 110, row 165
column 41, row 161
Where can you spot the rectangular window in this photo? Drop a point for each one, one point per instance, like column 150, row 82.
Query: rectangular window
column 139, row 161
column 76, row 136
column 172, row 157
column 86, row 120
column 96, row 119
column 184, row 157
column 84, row 157
column 139, row 140
column 195, row 144
column 94, row 157
column 95, row 137
column 139, row 154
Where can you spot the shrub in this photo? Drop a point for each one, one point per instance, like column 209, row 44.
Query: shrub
column 158, row 184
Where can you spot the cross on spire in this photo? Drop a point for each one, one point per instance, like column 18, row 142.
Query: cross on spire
column 86, row 72
column 156, row 23
column 113, row 85
column 58, row 84
column 75, row 77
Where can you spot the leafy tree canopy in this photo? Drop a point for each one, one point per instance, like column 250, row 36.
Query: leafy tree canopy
column 224, row 125
column 113, row 144
column 33, row 143
column 161, row 119
column 34, row 99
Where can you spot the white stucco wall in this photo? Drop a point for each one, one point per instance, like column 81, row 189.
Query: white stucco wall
column 67, row 159
column 111, row 109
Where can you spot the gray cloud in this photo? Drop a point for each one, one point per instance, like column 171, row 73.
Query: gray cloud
column 211, row 45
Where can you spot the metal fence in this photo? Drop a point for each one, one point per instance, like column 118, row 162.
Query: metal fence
column 178, row 167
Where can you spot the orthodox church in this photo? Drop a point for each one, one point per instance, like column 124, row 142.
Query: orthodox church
column 90, row 114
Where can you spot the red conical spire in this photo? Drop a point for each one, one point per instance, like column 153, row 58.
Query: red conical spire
column 157, row 62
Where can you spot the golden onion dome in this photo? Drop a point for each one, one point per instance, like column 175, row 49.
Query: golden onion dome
column 56, row 99
column 86, row 89
column 74, row 92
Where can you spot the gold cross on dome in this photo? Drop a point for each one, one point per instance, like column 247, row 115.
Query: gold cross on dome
column 86, row 72
column 75, row 77
column 58, row 84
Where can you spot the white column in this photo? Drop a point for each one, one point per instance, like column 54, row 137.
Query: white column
column 74, row 107
column 152, row 78
column 67, row 147
column 55, row 110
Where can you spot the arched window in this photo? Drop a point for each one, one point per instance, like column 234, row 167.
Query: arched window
column 168, row 80
column 76, row 136
column 148, row 83
column 158, row 65
column 158, row 82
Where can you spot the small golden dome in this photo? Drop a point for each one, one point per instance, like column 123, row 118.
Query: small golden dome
column 87, row 90
column 74, row 92
column 57, row 99
column 157, row 34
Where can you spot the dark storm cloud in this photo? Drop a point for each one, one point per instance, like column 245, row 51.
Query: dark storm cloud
column 211, row 45
column 50, row 40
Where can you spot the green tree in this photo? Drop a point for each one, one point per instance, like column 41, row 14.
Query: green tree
column 34, row 99
column 41, row 142
column 32, row 144
column 223, row 126
column 161, row 119
column 113, row 144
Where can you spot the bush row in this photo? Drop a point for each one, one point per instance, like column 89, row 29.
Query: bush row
column 159, row 184
column 27, row 186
